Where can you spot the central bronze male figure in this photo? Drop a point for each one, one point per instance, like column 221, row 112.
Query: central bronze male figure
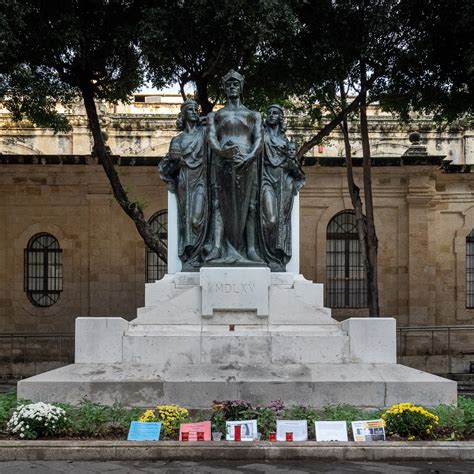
column 235, row 140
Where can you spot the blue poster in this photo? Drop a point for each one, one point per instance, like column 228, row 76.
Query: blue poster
column 144, row 431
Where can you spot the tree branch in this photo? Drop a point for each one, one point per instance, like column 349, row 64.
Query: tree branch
column 130, row 208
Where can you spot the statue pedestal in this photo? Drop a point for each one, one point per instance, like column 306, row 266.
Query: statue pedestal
column 236, row 333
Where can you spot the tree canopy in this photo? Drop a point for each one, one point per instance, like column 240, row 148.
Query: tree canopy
column 415, row 55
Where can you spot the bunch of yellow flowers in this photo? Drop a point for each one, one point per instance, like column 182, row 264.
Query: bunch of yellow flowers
column 410, row 421
column 147, row 416
column 171, row 416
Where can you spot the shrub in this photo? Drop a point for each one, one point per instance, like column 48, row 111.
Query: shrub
column 277, row 407
column 232, row 409
column 119, row 417
column 409, row 421
column 8, row 403
column 37, row 419
column 89, row 418
column 451, row 423
column 218, row 418
column 302, row 413
column 467, row 407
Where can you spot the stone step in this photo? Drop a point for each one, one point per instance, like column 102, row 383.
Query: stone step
column 224, row 347
column 196, row 386
column 467, row 377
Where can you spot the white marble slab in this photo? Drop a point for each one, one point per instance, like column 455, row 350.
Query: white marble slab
column 226, row 288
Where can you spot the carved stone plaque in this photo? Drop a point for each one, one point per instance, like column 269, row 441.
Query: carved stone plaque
column 225, row 288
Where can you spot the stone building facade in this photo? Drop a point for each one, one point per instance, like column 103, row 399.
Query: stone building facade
column 49, row 184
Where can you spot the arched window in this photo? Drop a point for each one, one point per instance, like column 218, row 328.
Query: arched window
column 43, row 270
column 155, row 267
column 470, row 270
column 345, row 274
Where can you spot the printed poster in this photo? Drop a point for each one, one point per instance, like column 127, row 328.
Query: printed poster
column 371, row 430
column 248, row 430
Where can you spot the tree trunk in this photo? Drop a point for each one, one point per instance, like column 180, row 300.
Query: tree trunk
column 203, row 97
column 130, row 208
column 372, row 242
column 354, row 190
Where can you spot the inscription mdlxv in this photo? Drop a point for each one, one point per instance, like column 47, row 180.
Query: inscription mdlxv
column 228, row 288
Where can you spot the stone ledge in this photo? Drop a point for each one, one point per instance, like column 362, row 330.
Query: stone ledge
column 68, row 450
column 196, row 385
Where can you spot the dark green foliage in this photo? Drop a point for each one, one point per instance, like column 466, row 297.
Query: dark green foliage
column 95, row 420
column 62, row 48
column 8, row 403
column 218, row 420
column 349, row 413
column 303, row 413
column 467, row 406
column 451, row 422
column 88, row 419
column 436, row 72
column 199, row 41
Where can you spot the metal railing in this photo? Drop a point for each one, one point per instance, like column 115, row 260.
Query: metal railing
column 26, row 354
column 447, row 341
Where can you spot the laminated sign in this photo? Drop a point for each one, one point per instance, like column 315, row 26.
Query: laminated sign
column 370, row 430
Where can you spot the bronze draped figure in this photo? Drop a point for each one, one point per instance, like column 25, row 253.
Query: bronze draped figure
column 184, row 169
column 281, row 179
column 235, row 142
column 235, row 182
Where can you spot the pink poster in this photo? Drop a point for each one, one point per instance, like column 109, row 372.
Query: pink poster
column 193, row 429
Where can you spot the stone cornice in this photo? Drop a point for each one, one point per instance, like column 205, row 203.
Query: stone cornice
column 430, row 160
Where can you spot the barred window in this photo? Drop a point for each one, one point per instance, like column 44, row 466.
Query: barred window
column 470, row 270
column 345, row 273
column 43, row 270
column 155, row 267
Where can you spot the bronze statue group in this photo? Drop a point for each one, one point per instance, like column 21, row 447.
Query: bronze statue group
column 235, row 178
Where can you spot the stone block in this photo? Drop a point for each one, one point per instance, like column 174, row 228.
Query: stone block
column 234, row 289
column 282, row 278
column 174, row 306
column 232, row 348
column 309, row 292
column 186, row 279
column 289, row 306
column 99, row 340
column 162, row 349
column 195, row 386
column 307, row 348
column 372, row 340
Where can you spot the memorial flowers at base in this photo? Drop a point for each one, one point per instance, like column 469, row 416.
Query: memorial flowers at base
column 410, row 421
column 171, row 416
column 36, row 420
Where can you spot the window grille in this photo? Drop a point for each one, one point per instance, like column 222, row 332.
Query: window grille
column 155, row 267
column 346, row 285
column 43, row 270
column 470, row 270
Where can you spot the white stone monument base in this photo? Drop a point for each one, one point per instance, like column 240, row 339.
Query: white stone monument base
column 363, row 385
column 237, row 333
